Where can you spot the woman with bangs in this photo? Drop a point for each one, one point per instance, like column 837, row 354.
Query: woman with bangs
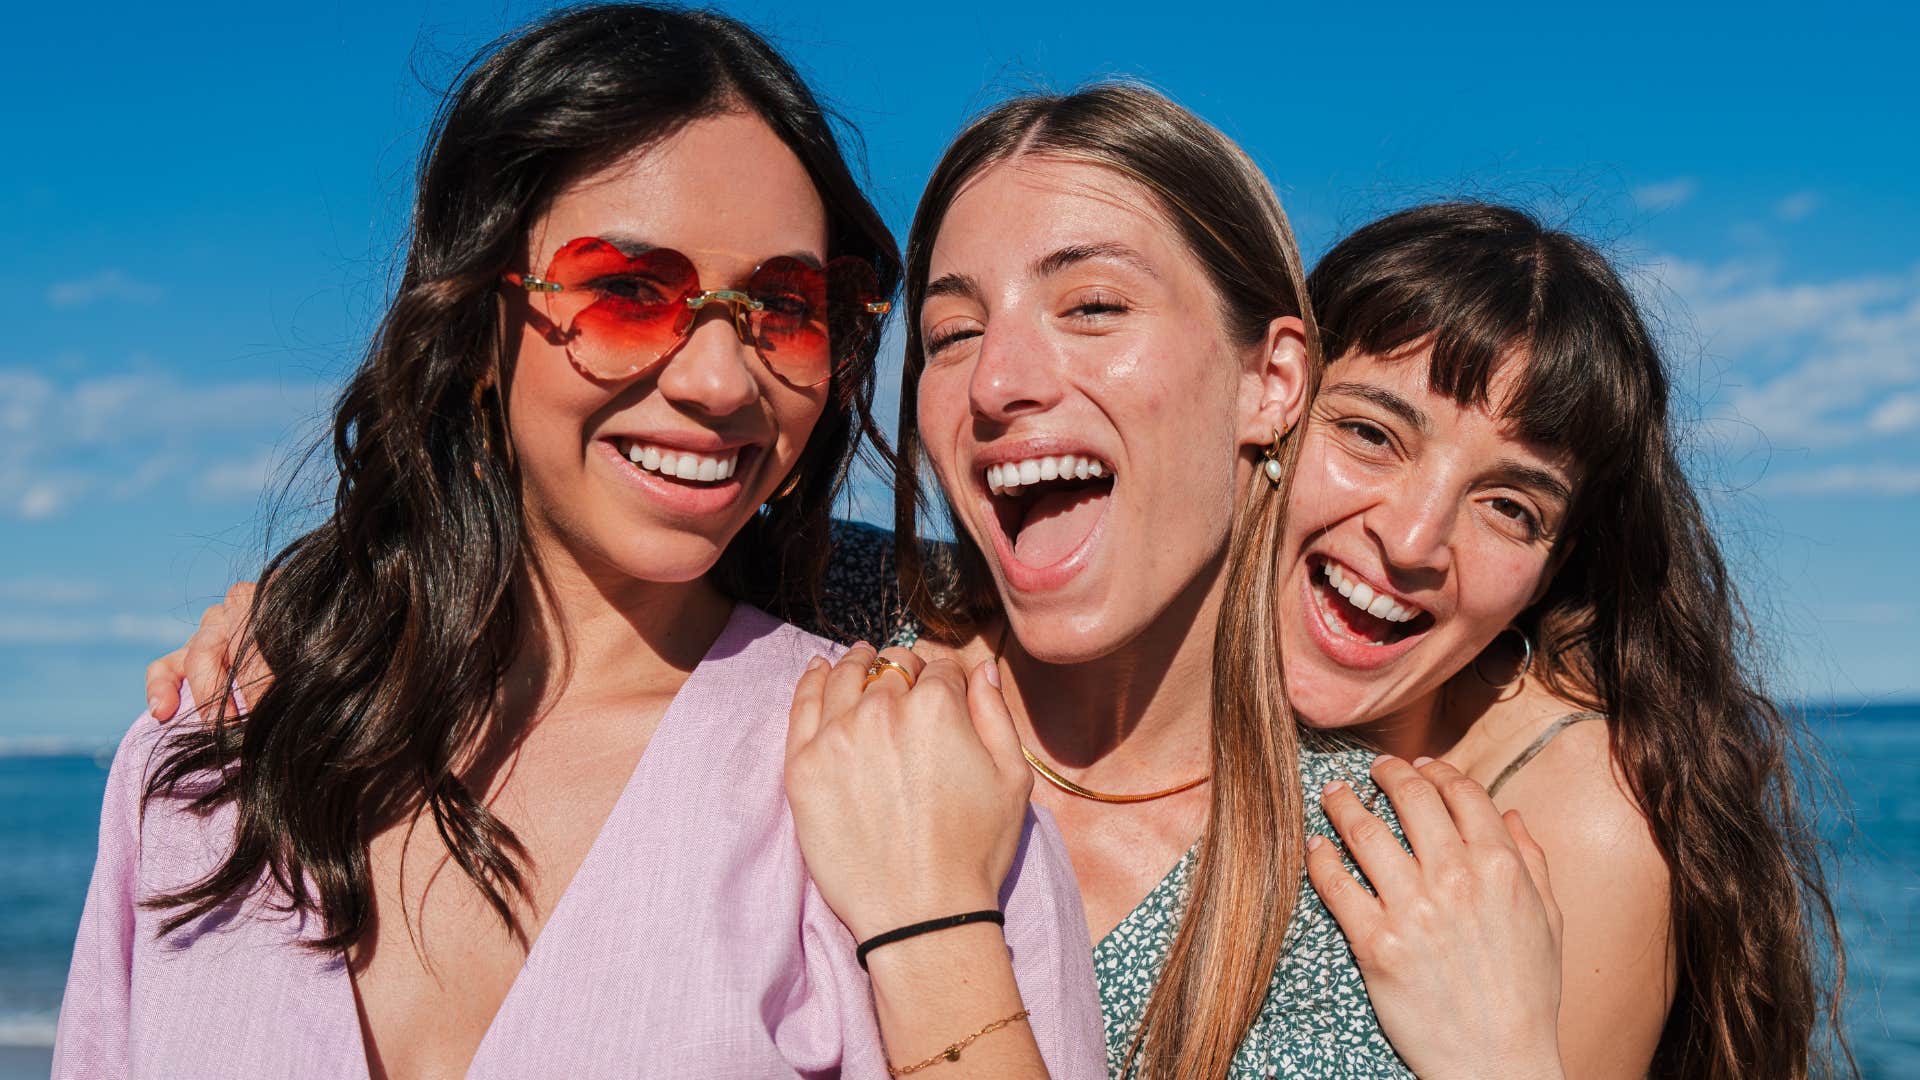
column 512, row 805
column 1494, row 558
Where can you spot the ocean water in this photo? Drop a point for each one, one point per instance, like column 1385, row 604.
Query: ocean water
column 49, row 813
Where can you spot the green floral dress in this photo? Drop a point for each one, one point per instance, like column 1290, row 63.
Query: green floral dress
column 1317, row 1021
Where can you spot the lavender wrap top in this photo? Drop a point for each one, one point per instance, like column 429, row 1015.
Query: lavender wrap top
column 690, row 943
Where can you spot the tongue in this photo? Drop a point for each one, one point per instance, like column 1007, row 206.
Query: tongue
column 1057, row 523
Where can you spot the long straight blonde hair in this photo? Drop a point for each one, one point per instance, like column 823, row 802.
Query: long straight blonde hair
column 1247, row 872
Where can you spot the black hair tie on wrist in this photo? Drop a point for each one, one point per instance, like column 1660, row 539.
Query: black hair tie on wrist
column 928, row 927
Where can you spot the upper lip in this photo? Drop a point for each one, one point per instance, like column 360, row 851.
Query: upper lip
column 696, row 442
column 1032, row 447
column 1373, row 582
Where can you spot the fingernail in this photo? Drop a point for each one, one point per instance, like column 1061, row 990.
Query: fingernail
column 861, row 645
column 1315, row 841
column 153, row 706
column 815, row 662
column 1422, row 762
column 1333, row 786
column 993, row 674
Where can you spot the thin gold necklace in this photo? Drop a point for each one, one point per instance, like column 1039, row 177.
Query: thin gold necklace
column 1046, row 771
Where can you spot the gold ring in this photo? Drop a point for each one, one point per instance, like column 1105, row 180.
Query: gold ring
column 880, row 666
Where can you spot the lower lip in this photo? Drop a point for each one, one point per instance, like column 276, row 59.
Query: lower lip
column 1338, row 647
column 684, row 500
column 1039, row 579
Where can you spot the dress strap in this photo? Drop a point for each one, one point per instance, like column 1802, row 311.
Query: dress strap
column 1533, row 749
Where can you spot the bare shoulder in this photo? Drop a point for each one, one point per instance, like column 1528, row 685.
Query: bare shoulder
column 1577, row 804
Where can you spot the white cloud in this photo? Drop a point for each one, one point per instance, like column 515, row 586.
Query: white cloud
column 1889, row 480
column 1894, row 415
column 42, row 629
column 1798, row 206
column 1809, row 363
column 116, row 436
column 107, row 285
column 1666, row 194
column 51, row 590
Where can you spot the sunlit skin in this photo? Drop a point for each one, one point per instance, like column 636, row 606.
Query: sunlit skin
column 1454, row 511
column 1065, row 315
column 623, row 558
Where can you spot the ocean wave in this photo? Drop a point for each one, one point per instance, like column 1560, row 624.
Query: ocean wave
column 28, row 1028
column 37, row 746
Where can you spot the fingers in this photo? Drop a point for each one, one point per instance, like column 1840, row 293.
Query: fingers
column 892, row 680
column 1371, row 843
column 1468, row 803
column 803, row 718
column 1358, row 912
column 206, row 660
column 992, row 720
column 163, row 683
column 1423, row 814
column 1535, row 857
column 845, row 683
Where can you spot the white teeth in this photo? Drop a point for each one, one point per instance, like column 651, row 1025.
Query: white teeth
column 1007, row 478
column 1379, row 605
column 684, row 465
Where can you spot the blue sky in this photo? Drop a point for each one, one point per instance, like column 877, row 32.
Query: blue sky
column 201, row 216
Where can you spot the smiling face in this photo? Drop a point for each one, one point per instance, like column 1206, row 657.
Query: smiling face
column 713, row 430
column 1438, row 520
column 1082, row 403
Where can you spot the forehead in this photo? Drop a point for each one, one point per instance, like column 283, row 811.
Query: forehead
column 1477, row 426
column 1031, row 206
column 724, row 190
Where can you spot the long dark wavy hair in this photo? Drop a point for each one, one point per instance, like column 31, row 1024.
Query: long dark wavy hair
column 1641, row 621
column 1246, row 875
column 388, row 628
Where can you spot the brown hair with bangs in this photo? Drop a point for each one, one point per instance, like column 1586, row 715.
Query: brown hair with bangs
column 1247, row 872
column 1641, row 620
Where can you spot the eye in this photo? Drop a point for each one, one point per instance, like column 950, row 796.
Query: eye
column 1096, row 305
column 630, row 287
column 787, row 305
column 940, row 341
column 1518, row 514
column 1365, row 432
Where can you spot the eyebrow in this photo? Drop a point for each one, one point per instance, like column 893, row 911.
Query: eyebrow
column 631, row 245
column 1521, row 474
column 1057, row 261
column 1385, row 399
column 963, row 285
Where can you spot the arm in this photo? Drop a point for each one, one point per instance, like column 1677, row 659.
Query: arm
column 909, row 806
column 96, row 1012
column 1459, row 941
column 1616, row 963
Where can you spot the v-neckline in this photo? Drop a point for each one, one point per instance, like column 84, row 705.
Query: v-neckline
column 1166, row 883
column 667, row 728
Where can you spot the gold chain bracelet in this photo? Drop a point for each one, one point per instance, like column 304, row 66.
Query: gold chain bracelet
column 952, row 1053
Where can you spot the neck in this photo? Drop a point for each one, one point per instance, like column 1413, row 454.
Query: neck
column 1142, row 710
column 598, row 635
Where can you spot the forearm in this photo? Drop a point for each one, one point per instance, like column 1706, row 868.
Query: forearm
column 932, row 992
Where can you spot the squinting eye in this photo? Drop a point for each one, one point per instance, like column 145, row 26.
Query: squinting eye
column 629, row 287
column 954, row 337
column 1510, row 509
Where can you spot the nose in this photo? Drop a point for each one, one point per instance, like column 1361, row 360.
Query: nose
column 1414, row 522
column 1014, row 374
column 713, row 372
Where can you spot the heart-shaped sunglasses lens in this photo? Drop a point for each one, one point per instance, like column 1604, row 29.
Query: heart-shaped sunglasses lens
column 619, row 313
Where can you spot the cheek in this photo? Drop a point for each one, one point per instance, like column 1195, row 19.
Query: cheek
column 1496, row 585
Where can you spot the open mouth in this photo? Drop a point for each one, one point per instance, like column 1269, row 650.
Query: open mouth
column 681, row 466
column 1357, row 611
column 1047, row 507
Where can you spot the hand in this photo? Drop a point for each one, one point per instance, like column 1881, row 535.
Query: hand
column 908, row 802
column 203, row 662
column 1460, row 941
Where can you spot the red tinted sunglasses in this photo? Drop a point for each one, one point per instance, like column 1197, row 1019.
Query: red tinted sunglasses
column 620, row 314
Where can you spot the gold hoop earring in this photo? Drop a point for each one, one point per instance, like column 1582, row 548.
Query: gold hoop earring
column 1271, row 466
column 788, row 488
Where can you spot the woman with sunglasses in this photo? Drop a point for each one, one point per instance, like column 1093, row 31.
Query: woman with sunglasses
column 512, row 805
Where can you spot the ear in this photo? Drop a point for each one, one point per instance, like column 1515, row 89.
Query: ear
column 1276, row 392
